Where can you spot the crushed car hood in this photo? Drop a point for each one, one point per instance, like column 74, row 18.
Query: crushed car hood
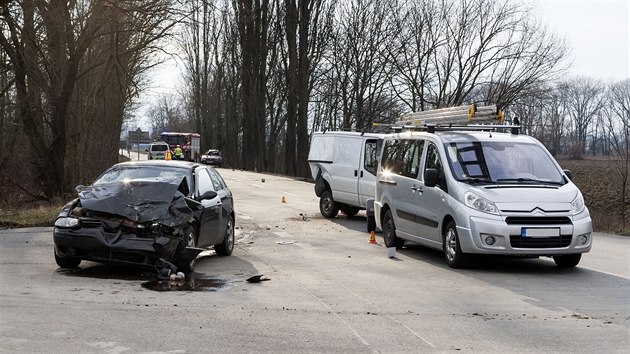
column 140, row 200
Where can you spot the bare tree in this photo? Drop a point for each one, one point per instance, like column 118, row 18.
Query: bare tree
column 55, row 49
column 618, row 126
column 585, row 99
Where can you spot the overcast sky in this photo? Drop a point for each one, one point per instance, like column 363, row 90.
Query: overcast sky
column 597, row 32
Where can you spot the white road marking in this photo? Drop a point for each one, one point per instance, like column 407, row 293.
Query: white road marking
column 389, row 316
column 258, row 186
column 291, row 194
column 605, row 272
column 284, row 234
column 365, row 342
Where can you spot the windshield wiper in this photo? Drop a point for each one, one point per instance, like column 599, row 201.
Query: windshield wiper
column 529, row 180
column 477, row 181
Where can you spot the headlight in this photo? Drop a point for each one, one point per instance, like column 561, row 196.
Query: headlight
column 67, row 222
column 476, row 202
column 577, row 205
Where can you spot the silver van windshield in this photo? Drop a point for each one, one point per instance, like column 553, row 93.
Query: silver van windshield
column 502, row 162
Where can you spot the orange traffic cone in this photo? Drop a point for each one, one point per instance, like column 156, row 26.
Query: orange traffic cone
column 373, row 238
column 167, row 155
column 284, row 201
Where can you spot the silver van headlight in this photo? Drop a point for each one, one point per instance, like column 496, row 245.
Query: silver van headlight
column 476, row 202
column 577, row 205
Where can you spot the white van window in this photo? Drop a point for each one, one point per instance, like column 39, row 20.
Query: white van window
column 502, row 162
column 370, row 158
column 159, row 147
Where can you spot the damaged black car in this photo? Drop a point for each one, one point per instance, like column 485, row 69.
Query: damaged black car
column 150, row 214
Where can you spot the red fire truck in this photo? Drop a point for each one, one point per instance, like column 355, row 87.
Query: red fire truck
column 188, row 142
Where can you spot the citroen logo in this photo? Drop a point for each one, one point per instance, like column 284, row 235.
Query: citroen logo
column 538, row 212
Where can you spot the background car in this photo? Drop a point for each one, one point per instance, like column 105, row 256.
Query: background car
column 212, row 157
column 145, row 213
column 157, row 151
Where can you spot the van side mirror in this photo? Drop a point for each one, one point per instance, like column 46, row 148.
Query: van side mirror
column 431, row 177
column 207, row 195
column 568, row 173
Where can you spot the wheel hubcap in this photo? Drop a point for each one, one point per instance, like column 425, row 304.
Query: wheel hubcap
column 451, row 244
column 327, row 204
column 229, row 237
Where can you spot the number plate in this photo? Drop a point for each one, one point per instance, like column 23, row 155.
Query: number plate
column 537, row 232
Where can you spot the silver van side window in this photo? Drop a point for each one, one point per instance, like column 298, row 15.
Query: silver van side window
column 402, row 157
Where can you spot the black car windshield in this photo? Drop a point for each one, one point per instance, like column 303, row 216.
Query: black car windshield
column 213, row 152
column 123, row 173
column 502, row 162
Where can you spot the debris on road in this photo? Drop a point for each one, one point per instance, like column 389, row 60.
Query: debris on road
column 257, row 279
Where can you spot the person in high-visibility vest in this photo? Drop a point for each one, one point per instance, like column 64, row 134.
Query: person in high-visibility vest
column 179, row 154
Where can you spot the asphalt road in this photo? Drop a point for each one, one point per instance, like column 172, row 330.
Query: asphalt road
column 329, row 291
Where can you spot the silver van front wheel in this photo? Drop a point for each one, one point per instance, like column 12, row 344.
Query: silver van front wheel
column 452, row 250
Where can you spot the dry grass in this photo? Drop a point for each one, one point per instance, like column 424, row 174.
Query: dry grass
column 599, row 181
column 30, row 216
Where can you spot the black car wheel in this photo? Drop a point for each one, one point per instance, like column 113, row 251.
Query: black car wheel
column 66, row 262
column 389, row 232
column 327, row 205
column 226, row 248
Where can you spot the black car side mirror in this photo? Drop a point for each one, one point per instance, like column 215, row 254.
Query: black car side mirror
column 208, row 195
column 430, row 177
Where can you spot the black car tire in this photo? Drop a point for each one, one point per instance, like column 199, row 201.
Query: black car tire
column 350, row 211
column 453, row 254
column 389, row 232
column 191, row 241
column 568, row 260
column 66, row 262
column 226, row 248
column 327, row 205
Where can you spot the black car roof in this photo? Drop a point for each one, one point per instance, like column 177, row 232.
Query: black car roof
column 160, row 163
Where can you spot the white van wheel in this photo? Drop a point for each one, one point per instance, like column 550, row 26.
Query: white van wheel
column 327, row 205
column 389, row 232
column 452, row 250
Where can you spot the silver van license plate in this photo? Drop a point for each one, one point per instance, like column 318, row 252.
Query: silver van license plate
column 538, row 232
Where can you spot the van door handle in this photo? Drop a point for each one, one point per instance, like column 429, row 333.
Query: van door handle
column 416, row 188
column 361, row 174
column 355, row 173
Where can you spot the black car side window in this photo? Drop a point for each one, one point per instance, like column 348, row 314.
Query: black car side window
column 216, row 180
column 205, row 183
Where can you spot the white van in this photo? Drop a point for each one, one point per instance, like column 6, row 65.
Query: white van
column 157, row 151
column 466, row 192
column 343, row 165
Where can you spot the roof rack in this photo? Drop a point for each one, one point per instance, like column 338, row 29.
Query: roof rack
column 453, row 118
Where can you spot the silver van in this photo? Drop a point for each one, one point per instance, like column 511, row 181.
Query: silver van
column 466, row 193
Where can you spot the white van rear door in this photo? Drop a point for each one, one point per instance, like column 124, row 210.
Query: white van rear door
column 346, row 168
column 367, row 174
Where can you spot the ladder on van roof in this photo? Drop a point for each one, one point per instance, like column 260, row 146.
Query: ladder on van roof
column 454, row 118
